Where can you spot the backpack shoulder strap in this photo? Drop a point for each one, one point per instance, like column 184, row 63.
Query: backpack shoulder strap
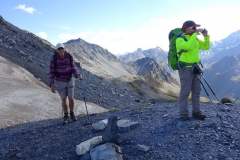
column 181, row 35
column 55, row 57
column 69, row 56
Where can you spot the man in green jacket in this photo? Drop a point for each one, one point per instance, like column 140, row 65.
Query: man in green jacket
column 191, row 55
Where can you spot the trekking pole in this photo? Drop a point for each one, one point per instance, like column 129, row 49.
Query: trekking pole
column 213, row 105
column 220, row 103
column 84, row 101
column 235, row 101
column 164, row 59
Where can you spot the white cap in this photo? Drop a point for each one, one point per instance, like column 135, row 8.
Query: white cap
column 59, row 45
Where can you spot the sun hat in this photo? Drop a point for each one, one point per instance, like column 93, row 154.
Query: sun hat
column 60, row 45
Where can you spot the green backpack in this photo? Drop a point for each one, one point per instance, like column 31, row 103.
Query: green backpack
column 173, row 56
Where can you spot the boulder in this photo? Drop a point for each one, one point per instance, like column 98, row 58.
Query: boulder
column 106, row 151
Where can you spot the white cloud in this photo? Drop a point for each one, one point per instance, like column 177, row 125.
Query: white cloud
column 60, row 27
column 219, row 24
column 154, row 34
column 26, row 9
column 42, row 35
column 119, row 42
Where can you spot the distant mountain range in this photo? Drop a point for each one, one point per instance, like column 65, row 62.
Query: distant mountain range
column 156, row 53
column 159, row 55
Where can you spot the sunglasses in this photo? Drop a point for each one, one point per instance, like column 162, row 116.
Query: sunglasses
column 194, row 28
column 61, row 48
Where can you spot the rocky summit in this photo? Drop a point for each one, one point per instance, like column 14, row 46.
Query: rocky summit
column 150, row 128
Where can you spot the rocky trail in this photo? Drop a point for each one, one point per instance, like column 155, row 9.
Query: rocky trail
column 160, row 129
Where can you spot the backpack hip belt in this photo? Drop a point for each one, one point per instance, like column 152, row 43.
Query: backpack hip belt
column 182, row 65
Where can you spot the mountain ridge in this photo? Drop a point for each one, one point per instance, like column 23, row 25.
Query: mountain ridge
column 96, row 59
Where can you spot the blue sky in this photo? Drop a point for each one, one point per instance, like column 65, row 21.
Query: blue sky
column 120, row 26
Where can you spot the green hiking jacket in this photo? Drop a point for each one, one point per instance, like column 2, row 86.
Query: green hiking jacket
column 192, row 46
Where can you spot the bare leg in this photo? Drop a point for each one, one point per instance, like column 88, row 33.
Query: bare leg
column 64, row 105
column 71, row 103
column 71, row 106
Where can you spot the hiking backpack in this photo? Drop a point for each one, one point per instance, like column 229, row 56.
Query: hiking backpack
column 173, row 56
column 55, row 57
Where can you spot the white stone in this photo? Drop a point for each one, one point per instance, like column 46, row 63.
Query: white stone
column 122, row 122
column 100, row 125
column 143, row 147
column 85, row 146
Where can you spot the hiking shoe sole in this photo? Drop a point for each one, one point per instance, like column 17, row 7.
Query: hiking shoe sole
column 199, row 115
column 74, row 119
column 185, row 117
column 66, row 120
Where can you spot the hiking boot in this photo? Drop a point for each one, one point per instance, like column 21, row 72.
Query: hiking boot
column 73, row 116
column 185, row 117
column 65, row 118
column 199, row 115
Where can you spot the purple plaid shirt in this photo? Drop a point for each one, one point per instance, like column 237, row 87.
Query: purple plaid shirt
column 63, row 69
